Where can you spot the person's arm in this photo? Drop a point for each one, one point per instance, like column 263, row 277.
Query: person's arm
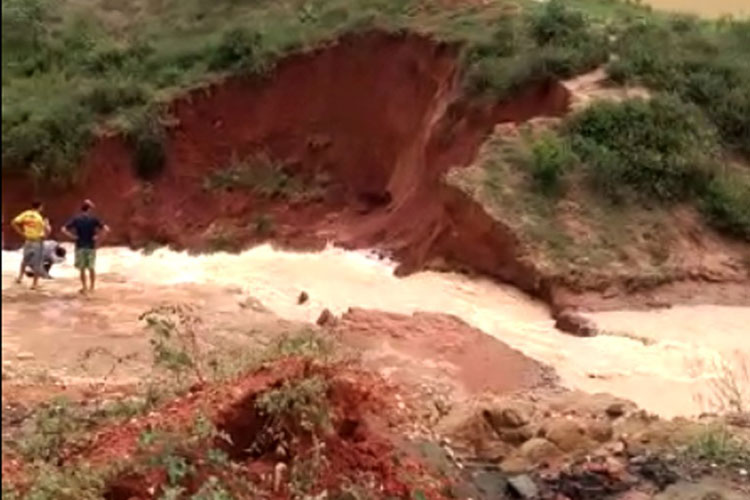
column 66, row 230
column 102, row 233
column 17, row 224
column 47, row 227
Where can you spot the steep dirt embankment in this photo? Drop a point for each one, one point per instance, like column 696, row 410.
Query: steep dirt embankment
column 379, row 117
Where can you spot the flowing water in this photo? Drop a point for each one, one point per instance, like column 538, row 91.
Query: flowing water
column 666, row 360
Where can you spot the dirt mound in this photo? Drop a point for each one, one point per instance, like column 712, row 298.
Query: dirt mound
column 295, row 426
column 369, row 125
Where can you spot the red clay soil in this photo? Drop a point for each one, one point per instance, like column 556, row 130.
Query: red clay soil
column 361, row 442
column 439, row 349
column 381, row 115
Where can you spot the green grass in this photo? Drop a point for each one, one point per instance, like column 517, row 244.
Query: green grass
column 69, row 69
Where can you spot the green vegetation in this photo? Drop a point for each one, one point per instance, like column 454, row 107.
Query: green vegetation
column 549, row 158
column 717, row 444
column 68, row 69
column 46, row 437
column 659, row 150
column 534, row 46
column 704, row 63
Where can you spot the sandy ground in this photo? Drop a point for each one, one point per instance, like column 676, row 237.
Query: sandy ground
column 664, row 360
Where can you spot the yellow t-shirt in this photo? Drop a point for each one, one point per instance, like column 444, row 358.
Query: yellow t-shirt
column 32, row 223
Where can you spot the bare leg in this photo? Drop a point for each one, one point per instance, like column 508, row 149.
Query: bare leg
column 35, row 281
column 92, row 279
column 20, row 271
column 83, row 281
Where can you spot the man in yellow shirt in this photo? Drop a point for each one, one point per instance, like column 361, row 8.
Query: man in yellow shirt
column 33, row 227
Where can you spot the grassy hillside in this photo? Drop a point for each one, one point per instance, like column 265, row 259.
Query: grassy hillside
column 71, row 67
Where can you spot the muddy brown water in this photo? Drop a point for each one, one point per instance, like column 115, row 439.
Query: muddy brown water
column 667, row 361
column 714, row 8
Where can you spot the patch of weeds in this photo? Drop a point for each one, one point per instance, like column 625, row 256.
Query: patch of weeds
column 174, row 342
column 54, row 425
column 260, row 174
column 305, row 343
column 298, row 404
column 65, row 483
column 717, row 444
column 730, row 388
column 549, row 158
column 297, row 409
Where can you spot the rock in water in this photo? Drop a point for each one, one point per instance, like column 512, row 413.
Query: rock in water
column 573, row 323
column 326, row 318
column 523, row 487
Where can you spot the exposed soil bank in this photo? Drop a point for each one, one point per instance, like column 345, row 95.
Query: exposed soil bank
column 374, row 121
column 379, row 115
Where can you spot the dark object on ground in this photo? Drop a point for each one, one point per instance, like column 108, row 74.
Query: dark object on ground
column 571, row 322
column 523, row 487
column 303, row 297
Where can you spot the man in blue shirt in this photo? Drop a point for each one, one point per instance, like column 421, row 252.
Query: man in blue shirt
column 87, row 230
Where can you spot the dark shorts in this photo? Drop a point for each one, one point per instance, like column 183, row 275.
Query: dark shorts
column 85, row 258
column 33, row 255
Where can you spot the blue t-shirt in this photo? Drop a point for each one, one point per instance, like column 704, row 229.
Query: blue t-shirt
column 84, row 226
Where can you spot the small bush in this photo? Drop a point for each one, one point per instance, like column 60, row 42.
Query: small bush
column 260, row 174
column 550, row 156
column 726, row 204
column 656, row 150
column 300, row 404
column 239, row 49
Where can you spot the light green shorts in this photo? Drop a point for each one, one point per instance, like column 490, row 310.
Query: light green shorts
column 85, row 258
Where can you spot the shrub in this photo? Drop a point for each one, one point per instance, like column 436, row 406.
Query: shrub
column 239, row 49
column 708, row 65
column 555, row 42
column 549, row 157
column 726, row 204
column 660, row 149
column 48, row 141
column 260, row 174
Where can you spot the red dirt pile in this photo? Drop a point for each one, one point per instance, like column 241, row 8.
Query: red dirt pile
column 373, row 120
column 263, row 450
